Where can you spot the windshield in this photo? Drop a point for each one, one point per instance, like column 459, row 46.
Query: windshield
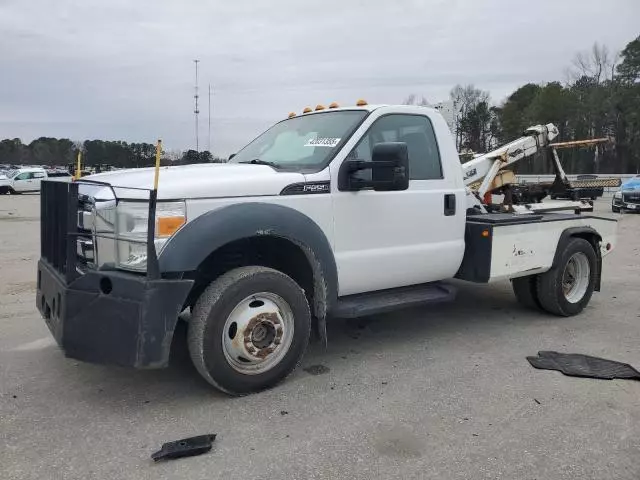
column 307, row 142
column 631, row 184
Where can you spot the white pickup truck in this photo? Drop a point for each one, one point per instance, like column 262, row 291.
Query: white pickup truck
column 337, row 212
column 29, row 179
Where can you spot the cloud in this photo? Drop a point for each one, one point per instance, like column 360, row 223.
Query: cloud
column 124, row 70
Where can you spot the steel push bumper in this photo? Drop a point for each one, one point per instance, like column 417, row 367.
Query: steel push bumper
column 111, row 317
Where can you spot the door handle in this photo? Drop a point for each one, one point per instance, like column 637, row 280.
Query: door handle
column 449, row 204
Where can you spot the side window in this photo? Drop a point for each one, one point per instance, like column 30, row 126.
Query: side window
column 416, row 131
column 24, row 176
column 38, row 175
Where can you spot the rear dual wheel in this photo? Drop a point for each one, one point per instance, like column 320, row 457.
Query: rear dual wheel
column 566, row 289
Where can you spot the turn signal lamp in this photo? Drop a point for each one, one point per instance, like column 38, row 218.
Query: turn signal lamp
column 167, row 226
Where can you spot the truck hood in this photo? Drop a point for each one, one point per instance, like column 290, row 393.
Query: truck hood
column 199, row 181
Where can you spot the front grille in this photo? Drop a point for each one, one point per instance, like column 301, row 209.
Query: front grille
column 58, row 226
column 85, row 251
column 631, row 197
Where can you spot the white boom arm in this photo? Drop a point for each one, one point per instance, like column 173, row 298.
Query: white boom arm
column 487, row 165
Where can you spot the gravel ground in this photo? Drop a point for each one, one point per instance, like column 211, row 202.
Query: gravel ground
column 443, row 392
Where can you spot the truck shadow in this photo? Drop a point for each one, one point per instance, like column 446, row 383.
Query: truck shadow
column 477, row 308
column 484, row 307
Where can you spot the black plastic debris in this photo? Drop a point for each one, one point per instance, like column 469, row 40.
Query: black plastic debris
column 578, row 365
column 187, row 447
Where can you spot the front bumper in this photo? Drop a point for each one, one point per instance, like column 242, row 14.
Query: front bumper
column 626, row 205
column 111, row 317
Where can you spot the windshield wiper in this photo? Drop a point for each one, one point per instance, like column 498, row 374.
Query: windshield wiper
column 257, row 161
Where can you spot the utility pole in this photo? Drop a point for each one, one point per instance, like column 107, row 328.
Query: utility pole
column 209, row 134
column 196, row 111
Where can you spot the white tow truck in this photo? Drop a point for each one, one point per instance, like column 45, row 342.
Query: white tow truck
column 336, row 212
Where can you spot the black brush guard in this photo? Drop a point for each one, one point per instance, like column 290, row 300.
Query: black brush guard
column 102, row 315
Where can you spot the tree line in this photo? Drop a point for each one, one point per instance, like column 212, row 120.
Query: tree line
column 599, row 98
column 62, row 151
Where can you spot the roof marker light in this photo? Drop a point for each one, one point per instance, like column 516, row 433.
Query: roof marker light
column 319, row 107
column 334, row 105
column 307, row 110
column 292, row 114
column 361, row 103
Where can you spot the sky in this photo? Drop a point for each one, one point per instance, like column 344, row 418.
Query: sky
column 123, row 69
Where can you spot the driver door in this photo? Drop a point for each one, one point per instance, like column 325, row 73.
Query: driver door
column 23, row 182
column 391, row 239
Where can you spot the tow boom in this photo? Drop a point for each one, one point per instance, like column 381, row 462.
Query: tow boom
column 487, row 165
column 486, row 173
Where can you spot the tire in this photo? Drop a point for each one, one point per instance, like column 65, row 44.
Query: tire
column 273, row 345
column 553, row 284
column 615, row 209
column 526, row 291
column 4, row 190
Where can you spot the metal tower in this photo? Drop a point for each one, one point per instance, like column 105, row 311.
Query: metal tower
column 196, row 111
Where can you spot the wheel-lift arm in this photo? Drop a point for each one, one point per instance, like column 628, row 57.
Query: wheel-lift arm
column 485, row 167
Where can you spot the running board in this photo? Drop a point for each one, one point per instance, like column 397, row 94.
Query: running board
column 383, row 301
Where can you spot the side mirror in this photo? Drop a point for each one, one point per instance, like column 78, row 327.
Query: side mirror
column 389, row 169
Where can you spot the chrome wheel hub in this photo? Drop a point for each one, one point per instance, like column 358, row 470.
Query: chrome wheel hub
column 576, row 277
column 258, row 333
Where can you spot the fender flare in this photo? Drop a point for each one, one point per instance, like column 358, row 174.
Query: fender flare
column 196, row 240
column 581, row 232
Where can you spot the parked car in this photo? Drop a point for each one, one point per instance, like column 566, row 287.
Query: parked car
column 28, row 179
column 628, row 197
column 4, row 182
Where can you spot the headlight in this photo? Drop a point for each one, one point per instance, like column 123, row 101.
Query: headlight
column 131, row 230
column 617, row 195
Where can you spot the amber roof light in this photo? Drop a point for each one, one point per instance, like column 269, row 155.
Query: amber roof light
column 292, row 114
column 334, row 105
column 307, row 110
column 361, row 103
column 319, row 107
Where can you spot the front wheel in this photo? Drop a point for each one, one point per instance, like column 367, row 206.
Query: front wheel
column 567, row 288
column 615, row 209
column 249, row 329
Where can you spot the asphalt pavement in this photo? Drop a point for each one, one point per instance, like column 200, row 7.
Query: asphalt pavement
column 443, row 392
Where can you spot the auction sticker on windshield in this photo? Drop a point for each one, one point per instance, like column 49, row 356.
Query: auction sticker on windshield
column 322, row 142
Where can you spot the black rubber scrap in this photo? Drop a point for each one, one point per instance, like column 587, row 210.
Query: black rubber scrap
column 578, row 365
column 187, row 447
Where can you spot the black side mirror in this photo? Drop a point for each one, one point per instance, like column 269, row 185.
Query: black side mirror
column 389, row 169
column 390, row 166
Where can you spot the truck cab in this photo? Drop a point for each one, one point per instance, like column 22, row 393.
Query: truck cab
column 336, row 212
